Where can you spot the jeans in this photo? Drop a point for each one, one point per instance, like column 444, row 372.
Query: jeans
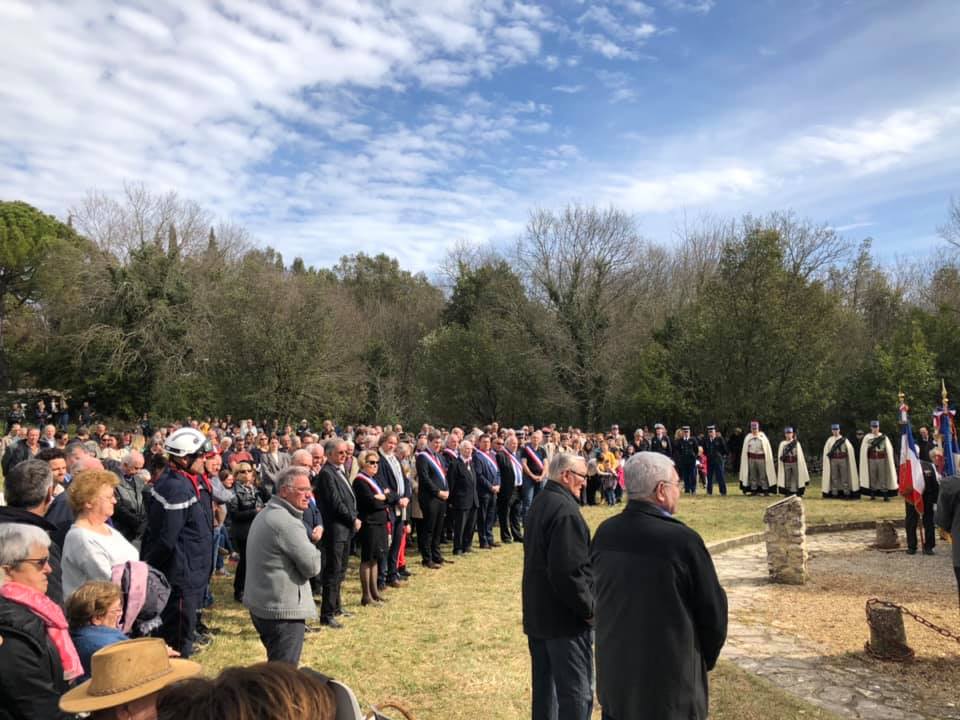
column 562, row 674
column 610, row 495
column 283, row 639
column 528, row 492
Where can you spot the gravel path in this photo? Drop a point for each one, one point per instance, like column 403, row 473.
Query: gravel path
column 824, row 672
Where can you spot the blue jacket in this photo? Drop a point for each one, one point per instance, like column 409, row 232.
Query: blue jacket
column 90, row 638
column 179, row 537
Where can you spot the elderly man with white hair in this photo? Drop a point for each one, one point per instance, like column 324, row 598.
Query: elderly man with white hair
column 557, row 594
column 660, row 625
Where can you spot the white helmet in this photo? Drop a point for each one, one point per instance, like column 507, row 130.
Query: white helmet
column 187, row 441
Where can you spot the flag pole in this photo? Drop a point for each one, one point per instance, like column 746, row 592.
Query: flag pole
column 903, row 411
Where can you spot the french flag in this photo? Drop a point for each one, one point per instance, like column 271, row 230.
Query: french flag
column 911, row 474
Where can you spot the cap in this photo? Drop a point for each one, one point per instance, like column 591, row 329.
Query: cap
column 874, row 423
column 835, row 426
column 754, row 425
column 788, row 429
column 686, row 428
column 711, row 427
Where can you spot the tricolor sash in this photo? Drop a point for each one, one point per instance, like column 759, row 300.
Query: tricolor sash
column 490, row 463
column 371, row 482
column 436, row 465
column 534, row 459
column 517, row 468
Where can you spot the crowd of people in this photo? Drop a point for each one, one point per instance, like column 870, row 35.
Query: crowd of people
column 110, row 536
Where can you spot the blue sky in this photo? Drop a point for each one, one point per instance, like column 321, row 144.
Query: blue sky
column 405, row 127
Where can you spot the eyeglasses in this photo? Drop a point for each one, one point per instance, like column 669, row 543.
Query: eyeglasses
column 38, row 563
column 373, row 462
column 244, row 471
column 582, row 476
column 302, row 490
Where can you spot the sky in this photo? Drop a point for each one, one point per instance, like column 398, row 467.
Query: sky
column 408, row 126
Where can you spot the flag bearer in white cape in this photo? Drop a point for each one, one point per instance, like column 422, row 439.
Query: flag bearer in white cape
column 792, row 475
column 757, row 474
column 840, row 477
column 878, row 476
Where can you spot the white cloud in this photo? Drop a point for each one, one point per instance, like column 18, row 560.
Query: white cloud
column 700, row 7
column 569, row 89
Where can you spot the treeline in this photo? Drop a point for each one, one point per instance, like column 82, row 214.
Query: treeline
column 143, row 303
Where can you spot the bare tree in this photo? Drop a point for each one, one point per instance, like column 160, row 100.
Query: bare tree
column 580, row 266
column 810, row 250
column 950, row 230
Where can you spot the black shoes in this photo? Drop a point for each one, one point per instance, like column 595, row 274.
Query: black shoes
column 332, row 623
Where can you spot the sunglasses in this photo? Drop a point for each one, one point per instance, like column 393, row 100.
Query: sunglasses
column 38, row 563
column 373, row 462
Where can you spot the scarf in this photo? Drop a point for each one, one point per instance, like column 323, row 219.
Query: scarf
column 54, row 620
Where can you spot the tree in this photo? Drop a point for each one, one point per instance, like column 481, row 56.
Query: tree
column 950, row 230
column 579, row 265
column 26, row 237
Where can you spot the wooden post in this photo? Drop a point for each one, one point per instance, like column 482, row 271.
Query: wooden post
column 888, row 639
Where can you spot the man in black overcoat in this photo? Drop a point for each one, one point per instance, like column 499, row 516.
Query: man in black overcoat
column 558, row 595
column 660, row 626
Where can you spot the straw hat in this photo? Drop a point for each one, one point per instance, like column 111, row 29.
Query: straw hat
column 126, row 671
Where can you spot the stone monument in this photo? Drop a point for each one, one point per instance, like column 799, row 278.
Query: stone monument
column 786, row 529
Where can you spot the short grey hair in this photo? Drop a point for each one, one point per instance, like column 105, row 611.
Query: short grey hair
column 130, row 458
column 561, row 462
column 465, row 444
column 28, row 484
column 290, row 473
column 331, row 445
column 301, row 454
column 16, row 541
column 644, row 471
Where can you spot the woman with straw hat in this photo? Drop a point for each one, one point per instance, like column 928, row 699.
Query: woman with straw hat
column 125, row 679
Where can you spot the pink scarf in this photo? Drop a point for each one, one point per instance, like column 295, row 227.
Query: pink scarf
column 53, row 617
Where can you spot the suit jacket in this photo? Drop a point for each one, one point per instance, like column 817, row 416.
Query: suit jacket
column 660, row 627
column 462, row 478
column 387, row 479
column 663, row 445
column 507, row 480
column 487, row 476
column 269, row 468
column 371, row 510
column 338, row 506
column 430, row 479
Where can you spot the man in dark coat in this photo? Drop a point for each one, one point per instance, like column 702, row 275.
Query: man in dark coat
column 511, row 488
column 715, row 449
column 488, row 489
column 463, row 502
column 558, row 595
column 338, row 506
column 660, row 626
column 390, row 477
column 948, row 517
column 931, row 490
column 686, row 451
column 28, row 490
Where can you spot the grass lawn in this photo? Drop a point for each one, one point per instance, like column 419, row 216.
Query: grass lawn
column 450, row 644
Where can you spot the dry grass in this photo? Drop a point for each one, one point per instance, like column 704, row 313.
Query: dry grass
column 450, row 645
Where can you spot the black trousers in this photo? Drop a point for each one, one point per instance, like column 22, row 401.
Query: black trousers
column 434, row 514
column 486, row 517
column 336, row 553
column 929, row 531
column 283, row 639
column 508, row 511
column 179, row 619
column 593, row 487
column 464, row 523
column 240, row 575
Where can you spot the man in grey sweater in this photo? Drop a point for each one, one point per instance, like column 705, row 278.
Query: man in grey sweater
column 280, row 562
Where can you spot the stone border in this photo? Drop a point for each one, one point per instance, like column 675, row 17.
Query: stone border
column 729, row 544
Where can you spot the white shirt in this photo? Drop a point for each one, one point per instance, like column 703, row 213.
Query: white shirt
column 91, row 556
